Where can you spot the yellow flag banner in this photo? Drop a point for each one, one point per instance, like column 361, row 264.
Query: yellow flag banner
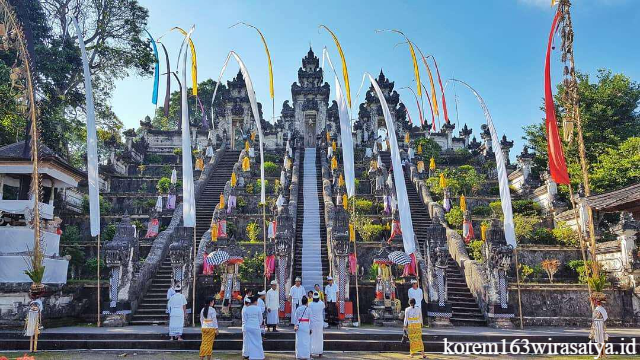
column 246, row 145
column 443, row 181
column 463, row 203
column 432, row 164
column 420, row 166
column 214, row 231
column 434, row 100
column 345, row 201
column 328, row 137
column 407, row 138
column 234, row 179
column 340, row 181
column 415, row 67
column 246, row 164
column 194, row 62
column 334, row 146
column 419, row 149
column 253, row 136
column 483, row 232
column 352, row 233
column 266, row 50
column 334, row 163
column 221, row 203
column 345, row 73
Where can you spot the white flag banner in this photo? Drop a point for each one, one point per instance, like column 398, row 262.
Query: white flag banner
column 503, row 180
column 345, row 133
column 254, row 108
column 188, row 194
column 398, row 174
column 92, row 141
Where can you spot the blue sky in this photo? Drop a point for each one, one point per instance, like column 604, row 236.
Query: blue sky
column 497, row 46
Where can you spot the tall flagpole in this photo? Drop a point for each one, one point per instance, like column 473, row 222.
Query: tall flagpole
column 193, row 285
column 515, row 250
column 99, row 288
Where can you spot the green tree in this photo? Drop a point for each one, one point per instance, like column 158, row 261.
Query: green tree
column 608, row 110
column 116, row 45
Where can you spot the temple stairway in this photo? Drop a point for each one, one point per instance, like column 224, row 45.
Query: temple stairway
column 311, row 261
column 465, row 311
column 153, row 305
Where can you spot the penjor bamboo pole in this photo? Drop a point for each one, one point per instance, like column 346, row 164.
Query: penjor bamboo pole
column 584, row 166
column 587, row 270
column 518, row 285
column 355, row 253
column 99, row 288
column 193, row 283
column 264, row 242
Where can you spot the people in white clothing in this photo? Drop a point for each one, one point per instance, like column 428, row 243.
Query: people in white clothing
column 273, row 306
column 331, row 297
column 416, row 293
column 252, row 331
column 261, row 304
column 317, row 325
column 177, row 313
column 302, row 318
column 296, row 293
column 170, row 293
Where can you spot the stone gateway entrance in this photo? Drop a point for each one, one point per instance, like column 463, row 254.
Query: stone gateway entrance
column 310, row 131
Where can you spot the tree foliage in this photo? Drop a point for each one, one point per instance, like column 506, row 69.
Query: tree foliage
column 610, row 122
column 116, row 45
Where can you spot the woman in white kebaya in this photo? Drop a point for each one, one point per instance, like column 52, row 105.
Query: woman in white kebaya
column 303, row 330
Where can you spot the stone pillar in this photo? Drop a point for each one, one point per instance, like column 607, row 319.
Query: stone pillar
column 525, row 160
column 448, row 129
column 506, row 148
column 497, row 254
column 465, row 133
column 436, row 255
column 121, row 257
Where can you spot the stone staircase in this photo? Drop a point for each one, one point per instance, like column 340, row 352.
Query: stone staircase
column 210, row 196
column 307, row 245
column 152, row 308
column 463, row 305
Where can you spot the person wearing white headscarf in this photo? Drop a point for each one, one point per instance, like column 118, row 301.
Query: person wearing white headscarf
column 317, row 325
column 177, row 312
column 302, row 318
column 273, row 306
column 252, row 330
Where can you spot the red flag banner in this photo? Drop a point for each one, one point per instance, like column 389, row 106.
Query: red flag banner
column 557, row 163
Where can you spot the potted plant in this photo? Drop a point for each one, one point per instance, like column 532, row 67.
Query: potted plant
column 35, row 272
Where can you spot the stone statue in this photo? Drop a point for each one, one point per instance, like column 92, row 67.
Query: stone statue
column 497, row 254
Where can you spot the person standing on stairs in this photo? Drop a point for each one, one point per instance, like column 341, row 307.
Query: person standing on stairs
column 170, row 293
column 416, row 293
column 331, row 296
column 317, row 325
column 413, row 328
column 302, row 318
column 209, row 328
column 296, row 293
column 177, row 313
column 273, row 306
column 261, row 304
column 252, row 331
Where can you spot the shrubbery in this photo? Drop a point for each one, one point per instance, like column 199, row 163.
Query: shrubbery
column 455, row 217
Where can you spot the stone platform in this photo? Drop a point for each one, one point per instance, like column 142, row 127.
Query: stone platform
column 368, row 339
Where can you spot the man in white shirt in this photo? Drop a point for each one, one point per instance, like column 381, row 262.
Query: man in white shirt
column 416, row 293
column 261, row 304
column 317, row 325
column 273, row 306
column 331, row 297
column 295, row 297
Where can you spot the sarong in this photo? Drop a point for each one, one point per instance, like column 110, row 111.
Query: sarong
column 208, row 336
column 415, row 338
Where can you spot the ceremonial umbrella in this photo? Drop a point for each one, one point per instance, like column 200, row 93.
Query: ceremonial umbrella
column 382, row 257
column 217, row 257
column 399, row 258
